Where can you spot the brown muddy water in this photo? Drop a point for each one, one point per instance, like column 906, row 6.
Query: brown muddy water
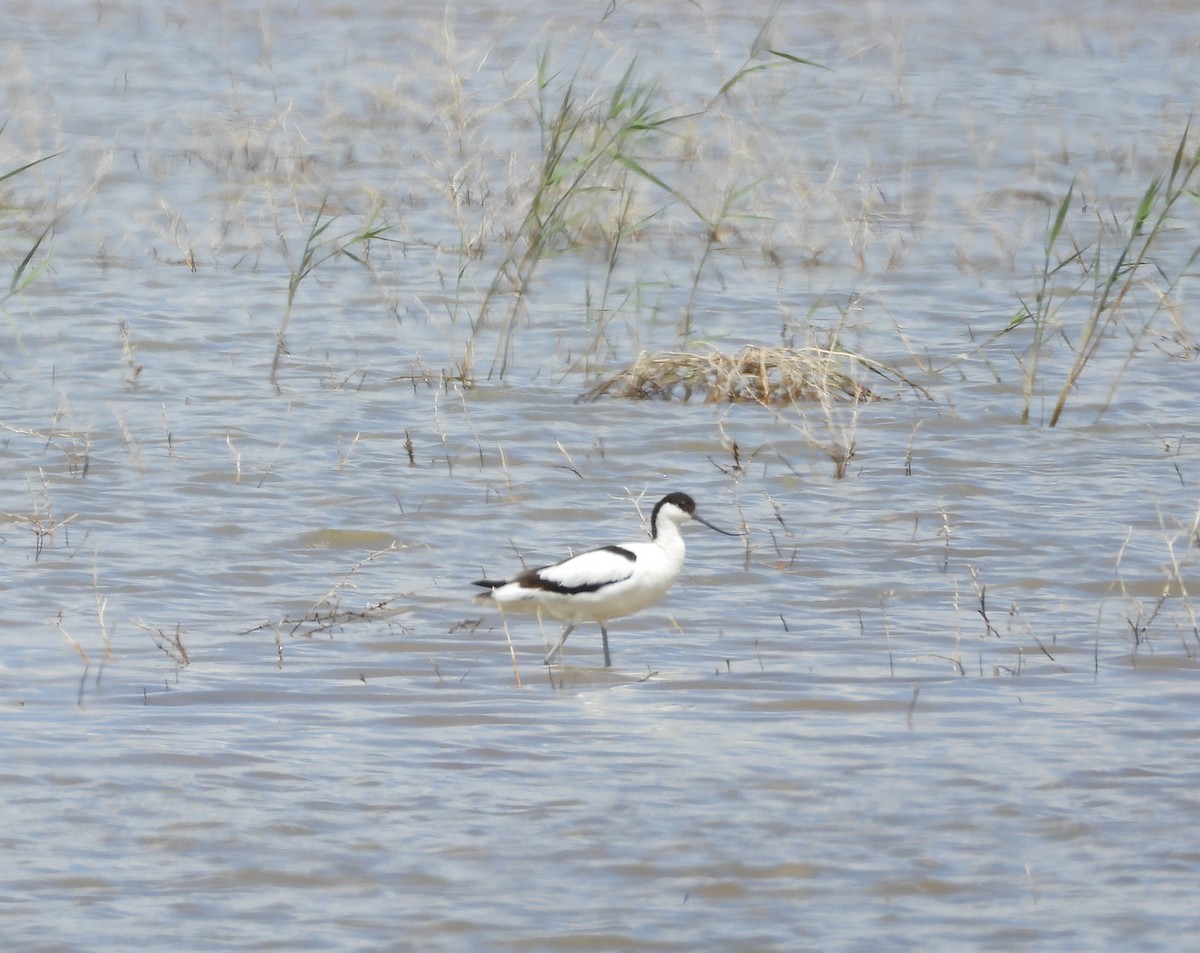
column 946, row 702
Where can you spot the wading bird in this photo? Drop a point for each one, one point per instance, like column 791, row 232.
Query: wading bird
column 605, row 583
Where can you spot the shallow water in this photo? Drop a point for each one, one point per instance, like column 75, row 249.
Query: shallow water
column 945, row 702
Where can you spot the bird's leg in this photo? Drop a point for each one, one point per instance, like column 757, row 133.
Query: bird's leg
column 567, row 630
column 604, row 637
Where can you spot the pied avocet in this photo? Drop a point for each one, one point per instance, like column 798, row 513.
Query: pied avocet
column 605, row 583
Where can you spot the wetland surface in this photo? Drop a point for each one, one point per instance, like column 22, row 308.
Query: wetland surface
column 943, row 695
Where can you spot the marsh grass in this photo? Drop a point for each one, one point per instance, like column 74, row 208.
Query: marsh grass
column 328, row 615
column 1114, row 282
column 133, row 367
column 618, row 161
column 763, row 54
column 40, row 519
column 590, row 145
column 170, row 643
column 27, row 270
column 319, row 248
column 827, row 425
column 1150, row 605
column 73, row 443
column 608, row 166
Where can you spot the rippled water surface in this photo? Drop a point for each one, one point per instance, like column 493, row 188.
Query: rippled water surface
column 946, row 701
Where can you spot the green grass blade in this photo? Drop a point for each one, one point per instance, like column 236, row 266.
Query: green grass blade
column 1146, row 206
column 638, row 169
column 799, row 60
column 1060, row 218
column 19, row 278
column 28, row 165
column 758, row 67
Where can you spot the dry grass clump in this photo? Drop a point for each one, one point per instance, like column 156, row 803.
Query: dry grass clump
column 756, row 374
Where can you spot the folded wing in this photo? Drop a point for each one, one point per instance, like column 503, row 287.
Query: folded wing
column 587, row 572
